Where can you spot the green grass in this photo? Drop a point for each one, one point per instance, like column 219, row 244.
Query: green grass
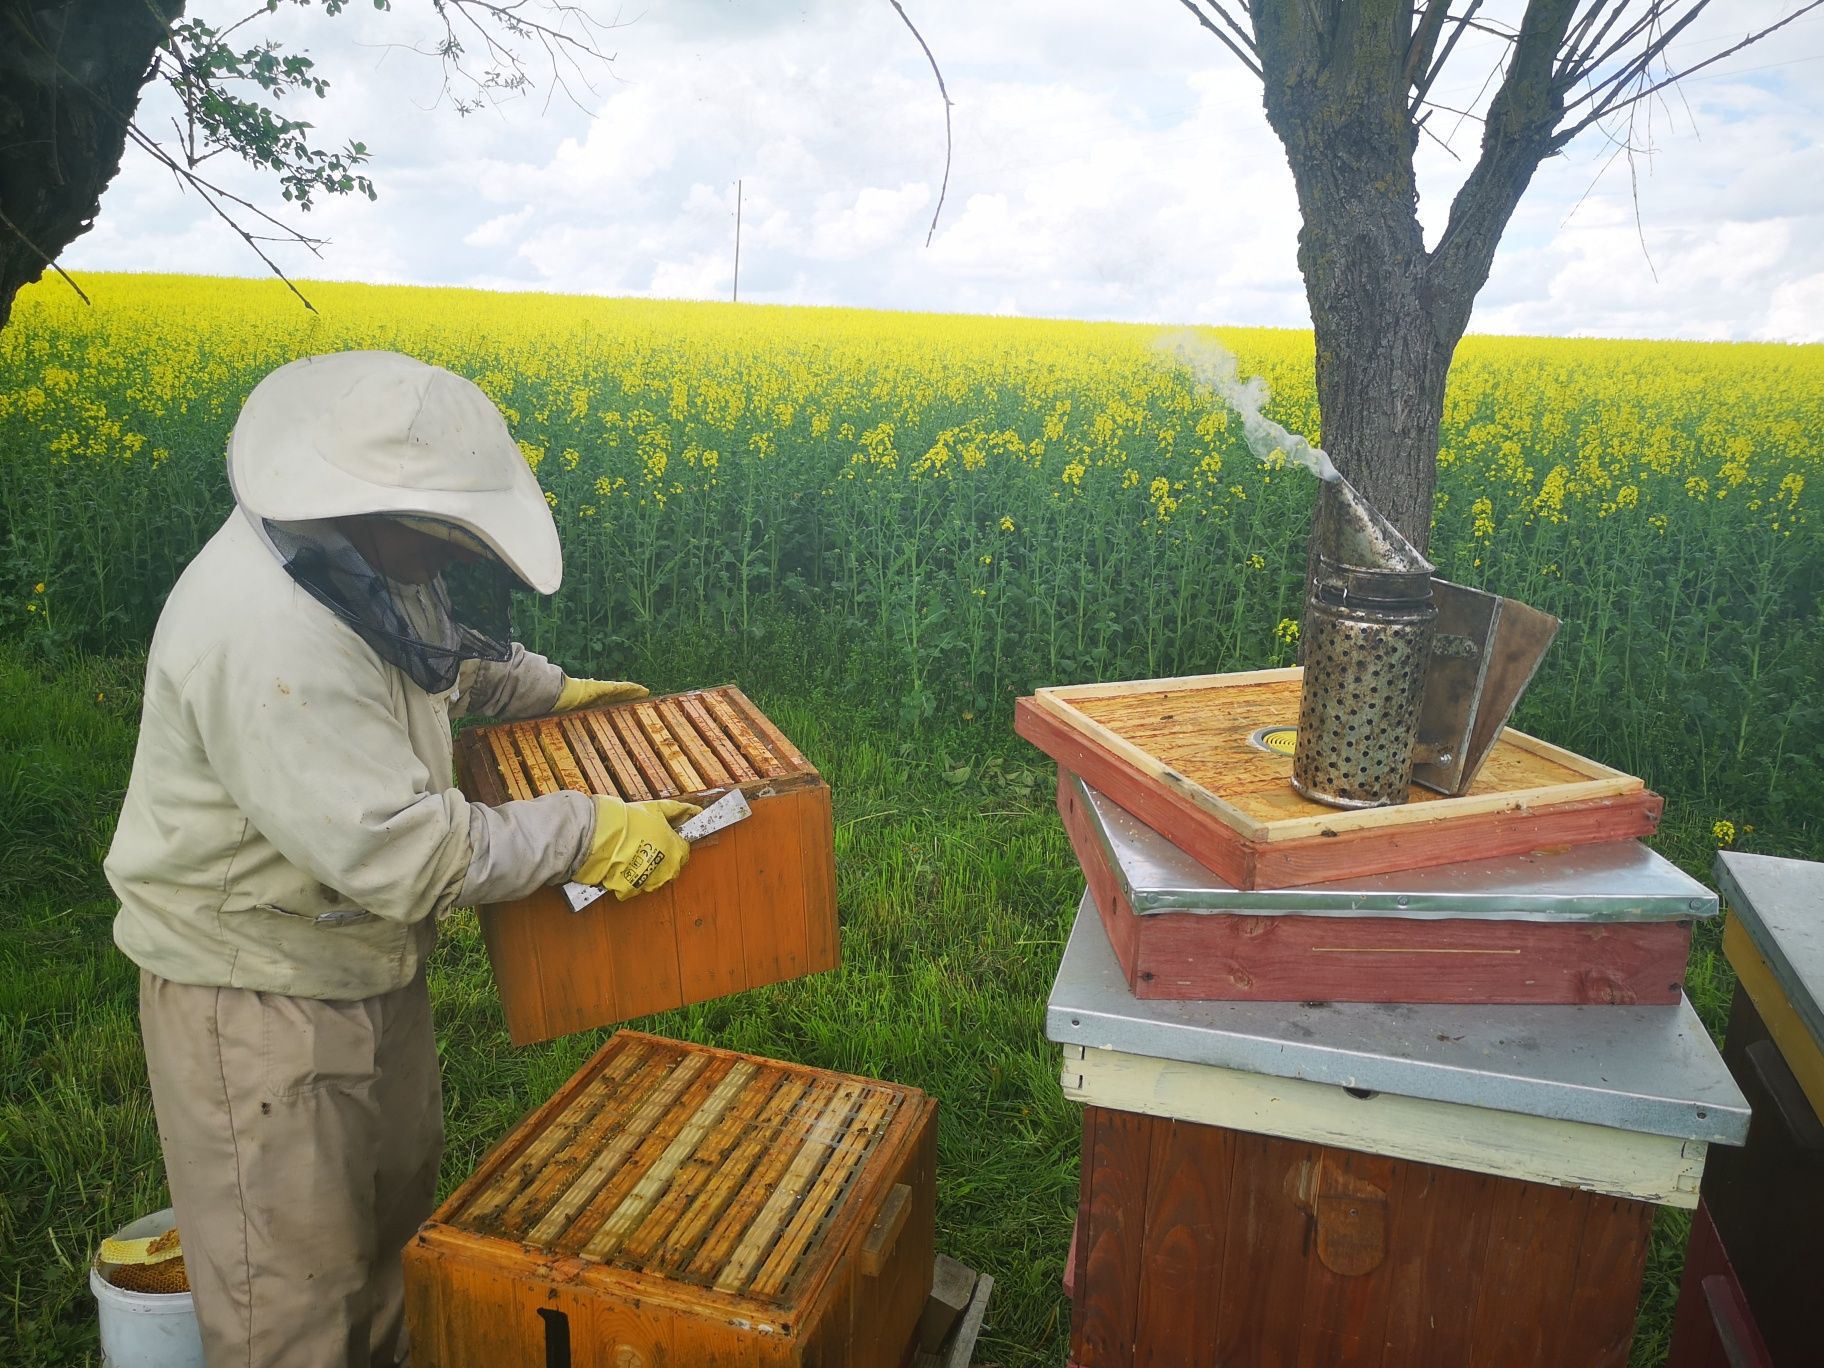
column 956, row 890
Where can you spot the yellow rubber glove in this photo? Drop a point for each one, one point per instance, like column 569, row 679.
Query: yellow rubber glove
column 585, row 693
column 634, row 849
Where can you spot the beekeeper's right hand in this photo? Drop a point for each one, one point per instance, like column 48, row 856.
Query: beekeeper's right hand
column 634, row 849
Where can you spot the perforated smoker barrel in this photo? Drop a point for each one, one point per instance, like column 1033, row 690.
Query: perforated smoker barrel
column 1369, row 619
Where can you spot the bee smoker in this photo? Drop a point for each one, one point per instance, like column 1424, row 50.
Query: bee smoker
column 1408, row 678
column 1369, row 619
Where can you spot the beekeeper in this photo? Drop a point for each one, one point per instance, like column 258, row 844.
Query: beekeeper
column 290, row 835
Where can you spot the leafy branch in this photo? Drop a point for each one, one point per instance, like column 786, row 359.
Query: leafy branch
column 241, row 97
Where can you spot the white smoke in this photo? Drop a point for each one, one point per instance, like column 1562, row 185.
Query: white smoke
column 1214, row 368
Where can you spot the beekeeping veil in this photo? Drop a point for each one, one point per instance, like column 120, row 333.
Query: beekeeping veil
column 373, row 433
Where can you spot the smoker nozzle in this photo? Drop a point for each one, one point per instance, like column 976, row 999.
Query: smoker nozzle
column 1360, row 555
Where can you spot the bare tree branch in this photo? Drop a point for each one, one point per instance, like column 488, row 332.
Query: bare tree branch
column 211, row 195
column 944, row 188
column 1659, row 35
column 1618, row 100
column 1578, row 43
column 45, row 257
column 1425, row 40
column 1516, row 137
column 1654, row 18
column 1246, row 55
column 1242, row 33
column 1419, row 126
column 1640, row 225
column 1430, row 73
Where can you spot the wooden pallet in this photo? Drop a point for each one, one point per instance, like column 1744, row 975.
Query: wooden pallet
column 1176, row 754
column 1202, row 956
column 679, row 1204
column 756, row 903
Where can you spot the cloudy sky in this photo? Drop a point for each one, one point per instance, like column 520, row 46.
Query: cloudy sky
column 1111, row 161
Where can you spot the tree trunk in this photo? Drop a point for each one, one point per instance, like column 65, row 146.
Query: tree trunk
column 1336, row 94
column 1339, row 81
column 1381, row 365
column 70, row 77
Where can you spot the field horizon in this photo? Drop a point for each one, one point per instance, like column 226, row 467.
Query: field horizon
column 303, row 282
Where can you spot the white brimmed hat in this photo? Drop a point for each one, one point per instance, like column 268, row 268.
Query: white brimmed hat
column 374, row 432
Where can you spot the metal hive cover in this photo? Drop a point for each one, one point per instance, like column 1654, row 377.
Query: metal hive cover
column 1646, row 1069
column 1780, row 904
column 1619, row 881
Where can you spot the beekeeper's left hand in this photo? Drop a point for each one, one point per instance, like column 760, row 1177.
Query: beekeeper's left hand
column 634, row 848
column 587, row 693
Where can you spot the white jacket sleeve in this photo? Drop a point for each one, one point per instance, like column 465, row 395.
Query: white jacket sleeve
column 526, row 844
column 525, row 684
column 302, row 736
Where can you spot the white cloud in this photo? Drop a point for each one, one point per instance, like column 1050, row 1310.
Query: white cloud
column 871, row 221
column 1110, row 162
column 500, row 230
column 1796, row 312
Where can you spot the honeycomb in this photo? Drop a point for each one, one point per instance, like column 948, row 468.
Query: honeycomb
column 167, row 1276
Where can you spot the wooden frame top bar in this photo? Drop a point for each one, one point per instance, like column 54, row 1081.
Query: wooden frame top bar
column 683, row 745
column 705, row 1167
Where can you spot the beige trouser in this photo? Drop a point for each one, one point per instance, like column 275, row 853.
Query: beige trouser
column 301, row 1141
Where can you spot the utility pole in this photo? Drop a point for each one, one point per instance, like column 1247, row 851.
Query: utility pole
column 737, row 298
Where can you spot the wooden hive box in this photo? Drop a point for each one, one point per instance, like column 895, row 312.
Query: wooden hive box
column 1604, row 923
column 677, row 1206
column 1179, row 754
column 1199, row 1244
column 755, row 904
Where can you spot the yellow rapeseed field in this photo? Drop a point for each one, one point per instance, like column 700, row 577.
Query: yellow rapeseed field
column 976, row 505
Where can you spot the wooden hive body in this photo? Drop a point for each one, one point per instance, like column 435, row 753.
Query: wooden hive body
column 1197, row 956
column 677, row 1206
column 756, row 903
column 1197, row 1244
column 1177, row 754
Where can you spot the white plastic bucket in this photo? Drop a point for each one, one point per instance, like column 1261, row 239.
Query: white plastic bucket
column 145, row 1329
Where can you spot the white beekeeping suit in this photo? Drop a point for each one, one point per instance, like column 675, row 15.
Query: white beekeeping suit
column 291, row 830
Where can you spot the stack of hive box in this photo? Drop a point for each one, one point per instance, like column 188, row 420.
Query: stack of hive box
column 675, row 1204
column 1397, row 1086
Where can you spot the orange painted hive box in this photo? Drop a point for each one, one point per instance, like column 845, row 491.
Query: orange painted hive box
column 677, row 1205
column 756, row 903
column 1183, row 756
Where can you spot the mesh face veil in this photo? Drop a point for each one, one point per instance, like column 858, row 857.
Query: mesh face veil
column 428, row 629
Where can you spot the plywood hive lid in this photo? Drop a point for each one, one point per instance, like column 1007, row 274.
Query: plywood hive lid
column 699, row 1166
column 1197, row 734
column 678, row 746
